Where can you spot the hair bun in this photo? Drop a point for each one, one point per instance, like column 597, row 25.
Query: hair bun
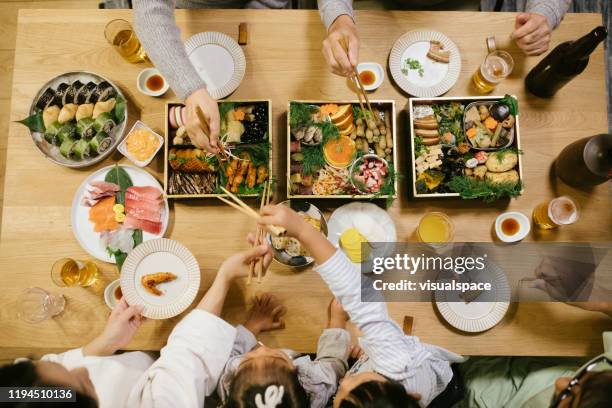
column 273, row 396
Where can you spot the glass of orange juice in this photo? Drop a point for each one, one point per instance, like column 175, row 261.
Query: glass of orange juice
column 435, row 228
column 69, row 272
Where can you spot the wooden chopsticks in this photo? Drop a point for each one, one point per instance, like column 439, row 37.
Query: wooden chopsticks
column 259, row 237
column 248, row 211
column 206, row 129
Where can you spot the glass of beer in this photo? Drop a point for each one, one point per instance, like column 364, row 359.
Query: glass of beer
column 68, row 272
column 495, row 68
column 120, row 34
column 435, row 228
column 36, row 305
column 556, row 212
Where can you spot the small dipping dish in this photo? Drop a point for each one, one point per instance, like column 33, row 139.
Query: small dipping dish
column 512, row 226
column 146, row 142
column 112, row 294
column 150, row 82
column 371, row 74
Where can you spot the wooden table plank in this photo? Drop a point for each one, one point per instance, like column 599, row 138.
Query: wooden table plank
column 284, row 62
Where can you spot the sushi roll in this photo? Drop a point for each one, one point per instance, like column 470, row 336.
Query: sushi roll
column 104, row 91
column 51, row 132
column 66, row 148
column 59, row 94
column 80, row 150
column 100, row 143
column 104, row 122
column 87, row 92
column 69, row 95
column 66, row 132
column 103, row 106
column 50, row 115
column 84, row 111
column 46, row 99
column 85, row 128
column 67, row 113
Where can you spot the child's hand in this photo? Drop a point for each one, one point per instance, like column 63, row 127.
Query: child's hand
column 285, row 217
column 266, row 314
column 238, row 265
column 122, row 323
column 337, row 317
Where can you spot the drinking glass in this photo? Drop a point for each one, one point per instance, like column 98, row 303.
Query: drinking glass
column 36, row 305
column 556, row 212
column 495, row 68
column 120, row 34
column 69, row 272
column 435, row 228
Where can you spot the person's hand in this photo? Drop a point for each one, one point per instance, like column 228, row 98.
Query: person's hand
column 122, row 323
column 285, row 217
column 265, row 315
column 238, row 265
column 532, row 33
column 342, row 34
column 564, row 279
column 356, row 352
column 210, row 109
column 337, row 317
column 603, row 307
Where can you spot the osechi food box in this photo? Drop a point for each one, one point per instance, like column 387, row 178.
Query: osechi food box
column 466, row 147
column 339, row 150
column 246, row 135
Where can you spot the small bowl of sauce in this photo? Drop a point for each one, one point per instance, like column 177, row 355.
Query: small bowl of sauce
column 150, row 82
column 371, row 75
column 512, row 226
column 113, row 294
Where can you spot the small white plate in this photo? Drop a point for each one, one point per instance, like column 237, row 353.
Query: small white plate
column 109, row 294
column 141, row 82
column 438, row 77
column 83, row 229
column 524, row 226
column 123, row 148
column 161, row 255
column 219, row 61
column 379, row 74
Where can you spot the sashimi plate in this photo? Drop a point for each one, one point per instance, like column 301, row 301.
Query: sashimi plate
column 83, row 228
column 161, row 255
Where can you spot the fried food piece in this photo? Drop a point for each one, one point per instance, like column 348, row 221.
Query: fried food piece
column 498, row 164
column 262, row 174
column 509, row 177
column 242, row 171
column 189, row 161
column 150, row 281
column 251, row 175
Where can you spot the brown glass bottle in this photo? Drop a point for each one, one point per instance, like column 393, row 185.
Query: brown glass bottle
column 563, row 64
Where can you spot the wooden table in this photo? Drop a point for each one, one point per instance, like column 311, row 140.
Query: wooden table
column 285, row 62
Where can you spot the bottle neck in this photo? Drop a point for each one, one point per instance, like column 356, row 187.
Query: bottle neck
column 583, row 47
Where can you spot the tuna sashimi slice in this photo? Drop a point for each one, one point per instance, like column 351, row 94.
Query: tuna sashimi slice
column 145, row 192
column 145, row 225
column 153, row 206
column 144, row 213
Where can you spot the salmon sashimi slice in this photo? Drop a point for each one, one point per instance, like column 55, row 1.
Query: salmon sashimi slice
column 144, row 213
column 103, row 216
column 145, row 225
column 150, row 281
column 145, row 192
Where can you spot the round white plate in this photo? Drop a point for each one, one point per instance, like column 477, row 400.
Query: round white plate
column 438, row 77
column 83, row 228
column 161, row 255
column 219, row 60
column 344, row 218
column 475, row 317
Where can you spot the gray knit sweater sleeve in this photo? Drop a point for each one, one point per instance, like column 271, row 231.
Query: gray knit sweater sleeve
column 553, row 10
column 330, row 10
column 157, row 30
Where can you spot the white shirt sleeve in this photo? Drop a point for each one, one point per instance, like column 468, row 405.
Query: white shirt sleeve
column 189, row 365
column 69, row 359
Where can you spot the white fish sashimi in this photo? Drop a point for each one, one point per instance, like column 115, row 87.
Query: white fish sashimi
column 119, row 240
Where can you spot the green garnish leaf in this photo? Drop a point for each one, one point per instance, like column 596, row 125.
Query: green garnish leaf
column 119, row 109
column 137, row 237
column 119, row 176
column 412, row 64
column 469, row 189
column 512, row 103
column 34, row 122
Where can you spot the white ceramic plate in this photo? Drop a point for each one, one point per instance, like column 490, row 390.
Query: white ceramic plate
column 475, row 317
column 219, row 60
column 83, row 228
column 353, row 215
column 161, row 255
column 437, row 77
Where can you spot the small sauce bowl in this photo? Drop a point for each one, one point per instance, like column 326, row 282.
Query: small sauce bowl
column 110, row 297
column 524, row 226
column 376, row 70
column 143, row 79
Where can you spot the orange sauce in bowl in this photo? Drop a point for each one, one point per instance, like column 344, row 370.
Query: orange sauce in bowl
column 367, row 77
column 155, row 82
column 118, row 293
column 510, row 226
column 339, row 152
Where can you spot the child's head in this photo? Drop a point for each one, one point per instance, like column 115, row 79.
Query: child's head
column 372, row 390
column 49, row 374
column 262, row 368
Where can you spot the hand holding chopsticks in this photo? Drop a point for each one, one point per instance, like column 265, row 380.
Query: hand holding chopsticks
column 205, row 139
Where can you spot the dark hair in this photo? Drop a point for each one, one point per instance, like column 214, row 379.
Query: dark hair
column 379, row 394
column 254, row 378
column 595, row 390
column 24, row 374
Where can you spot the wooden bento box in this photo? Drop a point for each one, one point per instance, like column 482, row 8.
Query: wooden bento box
column 246, row 126
column 334, row 150
column 465, row 147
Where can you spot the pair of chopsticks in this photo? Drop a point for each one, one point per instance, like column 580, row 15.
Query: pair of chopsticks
column 361, row 92
column 206, row 129
column 241, row 206
column 259, row 236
